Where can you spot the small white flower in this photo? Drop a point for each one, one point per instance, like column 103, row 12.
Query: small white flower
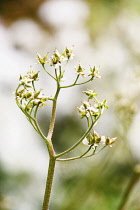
column 85, row 142
column 103, row 139
column 25, row 81
column 72, row 55
column 92, row 109
column 62, row 58
column 57, row 65
column 36, row 101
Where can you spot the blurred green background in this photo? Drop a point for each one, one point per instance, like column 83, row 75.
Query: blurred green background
column 105, row 33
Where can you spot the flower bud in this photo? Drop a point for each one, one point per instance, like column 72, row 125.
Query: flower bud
column 110, row 141
column 35, row 76
column 94, row 72
column 28, row 95
column 91, row 139
column 98, row 140
column 42, row 60
column 43, row 99
column 20, row 78
column 86, row 104
column 56, row 54
column 82, row 111
column 19, row 93
column 36, row 93
column 90, row 93
column 80, row 70
column 68, row 53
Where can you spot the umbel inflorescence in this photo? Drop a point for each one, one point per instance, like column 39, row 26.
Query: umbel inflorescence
column 29, row 100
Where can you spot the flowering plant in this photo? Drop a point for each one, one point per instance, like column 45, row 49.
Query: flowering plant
column 29, row 100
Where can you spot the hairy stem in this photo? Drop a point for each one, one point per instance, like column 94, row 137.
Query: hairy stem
column 52, row 122
column 49, row 183
column 52, row 161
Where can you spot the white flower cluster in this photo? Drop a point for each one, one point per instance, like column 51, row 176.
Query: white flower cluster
column 93, row 72
column 57, row 58
column 26, row 95
column 94, row 140
column 87, row 109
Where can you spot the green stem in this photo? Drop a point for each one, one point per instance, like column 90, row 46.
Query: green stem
column 81, row 156
column 82, row 83
column 52, row 161
column 75, row 158
column 87, row 151
column 76, row 79
column 76, row 144
column 80, row 140
column 48, row 72
column 40, row 132
column 33, row 85
column 49, row 183
column 52, row 122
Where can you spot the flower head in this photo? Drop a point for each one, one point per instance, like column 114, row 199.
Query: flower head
column 28, row 78
column 110, row 141
column 56, row 59
column 94, row 72
column 90, row 93
column 93, row 139
column 68, row 53
column 87, row 110
column 80, row 70
column 42, row 60
column 26, row 95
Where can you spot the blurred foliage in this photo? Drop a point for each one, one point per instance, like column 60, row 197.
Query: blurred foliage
column 10, row 184
column 95, row 189
column 13, row 10
column 67, row 130
column 103, row 12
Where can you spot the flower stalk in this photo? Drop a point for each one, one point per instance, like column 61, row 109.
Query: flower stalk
column 49, row 183
column 29, row 100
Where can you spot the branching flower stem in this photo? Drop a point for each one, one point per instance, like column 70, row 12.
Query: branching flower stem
column 48, row 72
column 82, row 156
column 80, row 140
column 82, row 83
column 90, row 147
column 29, row 100
column 52, row 160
